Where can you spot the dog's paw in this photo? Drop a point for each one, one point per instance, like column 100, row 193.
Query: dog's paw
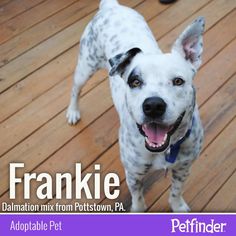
column 73, row 116
column 179, row 205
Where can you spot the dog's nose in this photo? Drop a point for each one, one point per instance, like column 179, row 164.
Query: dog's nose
column 154, row 107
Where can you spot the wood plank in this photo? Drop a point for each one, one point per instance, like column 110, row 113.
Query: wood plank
column 225, row 198
column 16, row 7
column 54, row 134
column 63, row 117
column 37, row 83
column 54, row 24
column 175, row 12
column 31, row 17
column 4, row 2
column 36, row 57
column 43, row 30
column 79, row 149
column 218, row 173
column 213, row 13
column 38, row 113
column 219, row 110
column 211, row 83
column 213, row 39
column 151, row 8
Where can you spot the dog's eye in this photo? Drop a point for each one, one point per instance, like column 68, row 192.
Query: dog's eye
column 178, row 81
column 135, row 83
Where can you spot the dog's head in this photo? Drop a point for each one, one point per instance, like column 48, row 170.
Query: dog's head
column 159, row 94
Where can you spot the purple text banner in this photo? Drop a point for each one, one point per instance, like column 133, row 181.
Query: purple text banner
column 114, row 225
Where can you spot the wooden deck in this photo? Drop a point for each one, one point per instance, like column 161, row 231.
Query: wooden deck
column 38, row 50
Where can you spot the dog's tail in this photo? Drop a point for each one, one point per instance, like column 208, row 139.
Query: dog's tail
column 108, row 3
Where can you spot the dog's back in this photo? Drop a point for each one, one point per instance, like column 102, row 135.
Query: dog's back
column 116, row 28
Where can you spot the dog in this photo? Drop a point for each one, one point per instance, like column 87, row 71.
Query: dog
column 153, row 94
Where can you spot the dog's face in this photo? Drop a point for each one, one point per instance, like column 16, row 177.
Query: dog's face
column 160, row 96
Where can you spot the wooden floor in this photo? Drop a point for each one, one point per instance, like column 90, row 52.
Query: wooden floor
column 38, row 50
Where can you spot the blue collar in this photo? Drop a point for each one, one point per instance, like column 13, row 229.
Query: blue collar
column 174, row 148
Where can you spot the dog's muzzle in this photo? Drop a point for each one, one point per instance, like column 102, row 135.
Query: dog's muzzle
column 157, row 135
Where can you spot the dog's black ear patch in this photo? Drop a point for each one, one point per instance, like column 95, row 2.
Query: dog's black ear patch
column 121, row 61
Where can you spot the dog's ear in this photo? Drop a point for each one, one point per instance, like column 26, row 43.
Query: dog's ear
column 189, row 43
column 120, row 62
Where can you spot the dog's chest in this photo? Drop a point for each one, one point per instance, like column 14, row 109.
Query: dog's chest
column 159, row 162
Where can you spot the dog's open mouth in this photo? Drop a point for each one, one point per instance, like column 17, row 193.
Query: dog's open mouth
column 157, row 136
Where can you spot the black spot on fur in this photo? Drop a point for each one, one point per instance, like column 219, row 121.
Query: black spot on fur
column 176, row 177
column 140, row 173
column 121, row 61
column 148, row 165
column 113, row 38
column 174, row 171
column 105, row 22
column 181, row 168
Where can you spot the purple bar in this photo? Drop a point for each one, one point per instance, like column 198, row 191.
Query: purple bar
column 117, row 225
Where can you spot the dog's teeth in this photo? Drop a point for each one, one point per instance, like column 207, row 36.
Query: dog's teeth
column 149, row 143
column 154, row 145
column 165, row 137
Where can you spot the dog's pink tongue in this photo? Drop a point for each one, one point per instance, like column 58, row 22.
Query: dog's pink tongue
column 155, row 133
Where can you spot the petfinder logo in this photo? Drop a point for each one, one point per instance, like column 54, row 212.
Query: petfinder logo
column 195, row 226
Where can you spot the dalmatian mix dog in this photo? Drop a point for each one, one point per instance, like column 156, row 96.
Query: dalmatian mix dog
column 152, row 91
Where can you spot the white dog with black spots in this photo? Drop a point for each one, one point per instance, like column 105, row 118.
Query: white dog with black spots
column 153, row 94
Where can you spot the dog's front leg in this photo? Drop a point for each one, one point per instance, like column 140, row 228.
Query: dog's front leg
column 135, row 185
column 179, row 176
